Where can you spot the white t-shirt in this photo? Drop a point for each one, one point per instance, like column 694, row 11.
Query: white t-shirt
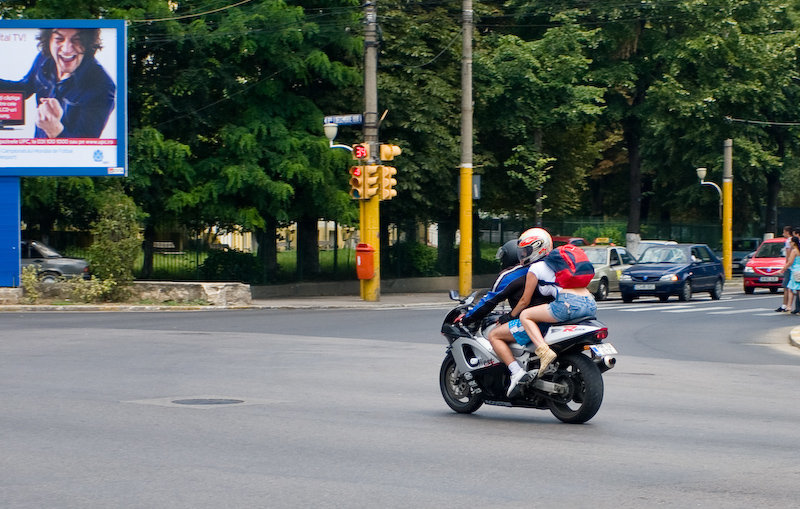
column 544, row 273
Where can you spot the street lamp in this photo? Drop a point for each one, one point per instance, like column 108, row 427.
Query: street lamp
column 701, row 173
column 330, row 132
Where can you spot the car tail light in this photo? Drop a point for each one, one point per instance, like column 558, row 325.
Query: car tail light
column 601, row 334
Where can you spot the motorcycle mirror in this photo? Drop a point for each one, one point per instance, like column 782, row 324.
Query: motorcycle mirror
column 454, row 295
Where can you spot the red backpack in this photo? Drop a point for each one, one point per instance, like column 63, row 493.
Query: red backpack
column 571, row 265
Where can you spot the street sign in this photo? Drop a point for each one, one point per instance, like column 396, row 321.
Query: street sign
column 352, row 119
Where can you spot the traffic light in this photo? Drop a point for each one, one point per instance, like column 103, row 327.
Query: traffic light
column 371, row 181
column 387, row 183
column 361, row 151
column 389, row 151
column 357, row 182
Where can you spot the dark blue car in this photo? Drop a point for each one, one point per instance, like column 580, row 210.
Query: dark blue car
column 674, row 269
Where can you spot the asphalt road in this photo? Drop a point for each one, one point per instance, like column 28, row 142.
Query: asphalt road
column 341, row 408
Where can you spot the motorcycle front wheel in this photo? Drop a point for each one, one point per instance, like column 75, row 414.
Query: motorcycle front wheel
column 584, row 389
column 455, row 390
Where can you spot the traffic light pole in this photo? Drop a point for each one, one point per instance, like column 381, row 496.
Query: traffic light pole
column 369, row 209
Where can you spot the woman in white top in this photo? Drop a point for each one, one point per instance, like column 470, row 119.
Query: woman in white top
column 567, row 304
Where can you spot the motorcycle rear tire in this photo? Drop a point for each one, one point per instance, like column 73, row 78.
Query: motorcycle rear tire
column 585, row 396
column 455, row 390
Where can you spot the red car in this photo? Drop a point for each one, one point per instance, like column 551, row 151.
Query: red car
column 765, row 268
column 559, row 240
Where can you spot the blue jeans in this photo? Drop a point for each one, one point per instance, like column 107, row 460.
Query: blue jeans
column 567, row 306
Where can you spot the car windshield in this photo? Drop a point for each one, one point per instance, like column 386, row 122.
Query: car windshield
column 658, row 254
column 770, row 250
column 43, row 251
column 596, row 256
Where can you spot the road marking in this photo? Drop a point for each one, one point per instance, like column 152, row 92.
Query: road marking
column 656, row 308
column 692, row 310
column 734, row 311
column 769, row 314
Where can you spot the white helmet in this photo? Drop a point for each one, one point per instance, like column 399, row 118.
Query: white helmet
column 534, row 244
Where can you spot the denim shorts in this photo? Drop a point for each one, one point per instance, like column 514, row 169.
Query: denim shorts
column 569, row 306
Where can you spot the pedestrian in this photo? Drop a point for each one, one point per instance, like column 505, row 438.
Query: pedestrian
column 787, row 234
column 74, row 94
column 792, row 269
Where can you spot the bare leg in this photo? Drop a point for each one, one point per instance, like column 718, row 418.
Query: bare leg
column 499, row 337
column 530, row 316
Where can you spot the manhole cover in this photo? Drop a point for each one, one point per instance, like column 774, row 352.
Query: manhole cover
column 207, row 401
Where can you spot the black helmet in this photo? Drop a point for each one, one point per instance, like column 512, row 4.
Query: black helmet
column 508, row 254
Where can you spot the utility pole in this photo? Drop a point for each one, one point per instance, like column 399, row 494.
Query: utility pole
column 369, row 209
column 465, row 191
column 727, row 208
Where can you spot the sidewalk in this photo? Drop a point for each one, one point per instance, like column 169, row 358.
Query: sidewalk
column 437, row 300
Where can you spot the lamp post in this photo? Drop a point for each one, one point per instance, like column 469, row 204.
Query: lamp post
column 725, row 205
column 701, row 173
column 330, row 132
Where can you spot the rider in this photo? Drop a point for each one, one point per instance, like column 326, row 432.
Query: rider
column 510, row 285
column 569, row 303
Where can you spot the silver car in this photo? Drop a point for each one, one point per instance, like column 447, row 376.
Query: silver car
column 608, row 262
column 50, row 264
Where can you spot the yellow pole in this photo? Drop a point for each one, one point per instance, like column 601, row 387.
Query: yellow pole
column 370, row 234
column 727, row 209
column 465, row 227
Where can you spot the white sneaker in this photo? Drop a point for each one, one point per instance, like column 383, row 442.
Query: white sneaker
column 518, row 380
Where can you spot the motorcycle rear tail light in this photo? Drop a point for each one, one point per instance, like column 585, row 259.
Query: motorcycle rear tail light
column 601, row 334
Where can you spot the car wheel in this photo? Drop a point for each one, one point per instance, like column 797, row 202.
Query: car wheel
column 663, row 298
column 602, row 290
column 749, row 290
column 771, row 290
column 48, row 277
column 716, row 293
column 686, row 291
column 627, row 298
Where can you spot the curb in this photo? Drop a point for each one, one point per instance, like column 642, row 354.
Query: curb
column 794, row 337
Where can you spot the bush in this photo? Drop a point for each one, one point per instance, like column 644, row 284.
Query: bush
column 232, row 265
column 590, row 233
column 411, row 259
column 116, row 243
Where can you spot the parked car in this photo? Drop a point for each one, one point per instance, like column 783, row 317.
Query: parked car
column 765, row 268
column 50, row 264
column 608, row 262
column 741, row 247
column 673, row 269
column 561, row 240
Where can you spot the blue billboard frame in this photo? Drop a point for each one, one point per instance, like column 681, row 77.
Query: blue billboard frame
column 119, row 158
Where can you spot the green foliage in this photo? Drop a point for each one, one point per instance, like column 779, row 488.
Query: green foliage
column 116, row 242
column 615, row 234
column 411, row 259
column 88, row 290
column 29, row 280
column 231, row 265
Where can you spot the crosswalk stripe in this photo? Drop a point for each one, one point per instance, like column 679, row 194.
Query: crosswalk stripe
column 692, row 310
column 655, row 308
column 734, row 311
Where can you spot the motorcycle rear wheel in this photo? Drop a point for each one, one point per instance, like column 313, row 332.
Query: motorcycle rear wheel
column 585, row 393
column 455, row 390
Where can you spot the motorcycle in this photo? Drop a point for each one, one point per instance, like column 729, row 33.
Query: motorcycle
column 571, row 387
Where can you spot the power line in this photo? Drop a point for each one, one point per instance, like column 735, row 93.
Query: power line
column 186, row 16
column 762, row 122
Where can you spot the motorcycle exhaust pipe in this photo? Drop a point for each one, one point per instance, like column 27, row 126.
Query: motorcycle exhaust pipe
column 606, row 362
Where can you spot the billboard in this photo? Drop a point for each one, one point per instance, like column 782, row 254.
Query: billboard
column 63, row 98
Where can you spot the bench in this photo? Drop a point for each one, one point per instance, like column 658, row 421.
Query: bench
column 166, row 247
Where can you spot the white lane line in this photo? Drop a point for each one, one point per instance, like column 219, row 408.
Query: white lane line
column 657, row 308
column 769, row 314
column 743, row 311
column 692, row 310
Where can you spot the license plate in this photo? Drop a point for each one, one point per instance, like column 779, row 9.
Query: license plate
column 645, row 286
column 768, row 279
column 603, row 349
